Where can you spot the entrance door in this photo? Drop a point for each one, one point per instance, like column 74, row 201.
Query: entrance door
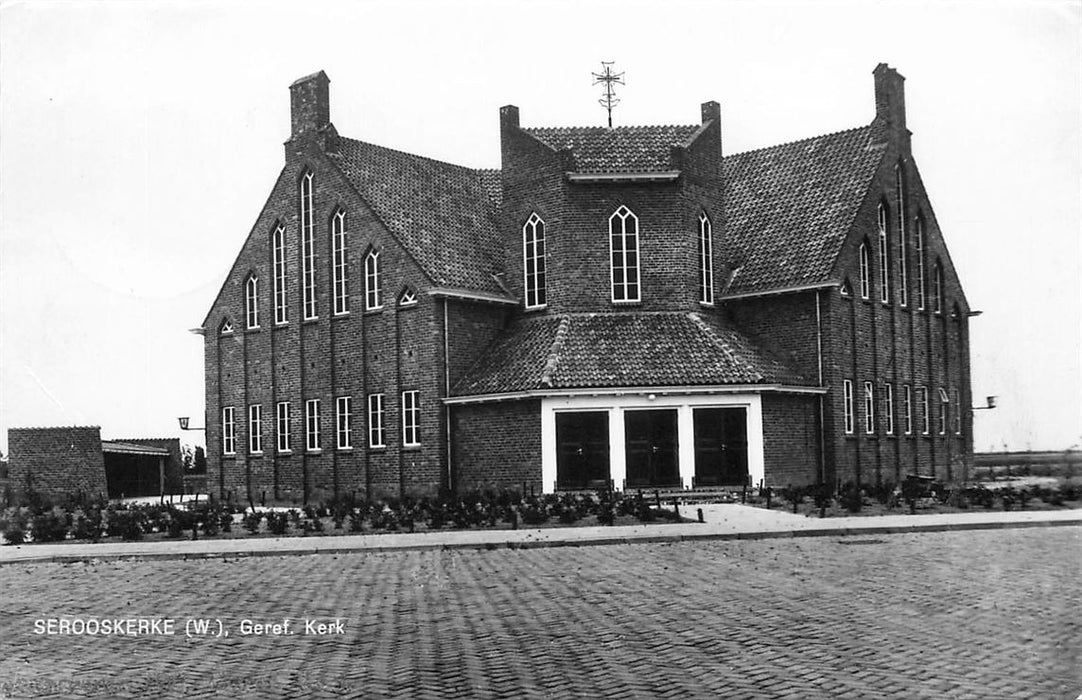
column 651, row 442
column 582, row 450
column 721, row 446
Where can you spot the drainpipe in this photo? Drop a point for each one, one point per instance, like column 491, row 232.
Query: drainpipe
column 819, row 352
column 447, row 393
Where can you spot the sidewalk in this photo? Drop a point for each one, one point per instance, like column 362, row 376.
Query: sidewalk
column 723, row 522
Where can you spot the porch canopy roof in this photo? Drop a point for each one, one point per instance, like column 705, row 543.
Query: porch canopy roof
column 113, row 447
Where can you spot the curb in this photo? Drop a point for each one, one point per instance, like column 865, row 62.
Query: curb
column 545, row 544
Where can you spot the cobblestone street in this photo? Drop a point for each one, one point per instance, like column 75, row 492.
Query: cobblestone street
column 980, row 614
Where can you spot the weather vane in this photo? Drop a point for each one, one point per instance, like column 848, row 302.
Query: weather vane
column 609, row 78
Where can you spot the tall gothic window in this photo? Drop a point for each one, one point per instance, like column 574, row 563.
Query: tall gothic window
column 533, row 261
column 373, row 295
column 624, row 246
column 920, row 261
column 340, row 262
column 937, row 287
column 903, row 289
column 884, row 270
column 251, row 298
column 865, row 272
column 706, row 260
column 278, row 253
column 308, row 248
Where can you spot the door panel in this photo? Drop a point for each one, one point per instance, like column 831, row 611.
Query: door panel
column 652, row 449
column 721, row 446
column 582, row 450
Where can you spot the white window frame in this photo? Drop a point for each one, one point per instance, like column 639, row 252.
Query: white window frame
column 283, row 427
column 373, row 292
column 627, row 291
column 706, row 260
column 899, row 186
column 922, row 406
column 907, row 402
column 343, row 422
column 533, row 262
column 884, row 258
column 888, row 402
column 847, row 406
column 869, row 408
column 937, row 282
column 308, row 249
column 408, row 298
column 251, row 301
column 865, row 273
column 255, row 429
column 278, row 263
column 340, row 262
column 377, row 435
column 229, row 431
column 227, row 327
column 411, row 418
column 944, row 407
column 311, row 425
column 920, row 262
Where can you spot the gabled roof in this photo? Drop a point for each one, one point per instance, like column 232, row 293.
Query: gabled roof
column 621, row 350
column 788, row 208
column 622, row 149
column 443, row 214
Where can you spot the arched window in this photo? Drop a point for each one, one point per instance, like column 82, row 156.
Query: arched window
column 308, row 247
column 624, row 248
column 884, row 270
column 278, row 262
column 903, row 289
column 865, row 272
column 937, row 287
column 340, row 262
column 920, row 261
column 226, row 328
column 251, row 299
column 706, row 260
column 373, row 296
column 533, row 261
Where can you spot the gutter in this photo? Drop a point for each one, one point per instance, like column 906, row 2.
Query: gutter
column 633, row 391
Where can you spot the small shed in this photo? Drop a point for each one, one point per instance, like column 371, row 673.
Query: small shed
column 134, row 470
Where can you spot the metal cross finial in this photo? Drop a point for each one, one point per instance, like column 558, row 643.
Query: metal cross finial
column 609, row 78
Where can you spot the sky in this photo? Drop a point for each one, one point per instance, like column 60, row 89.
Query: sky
column 139, row 141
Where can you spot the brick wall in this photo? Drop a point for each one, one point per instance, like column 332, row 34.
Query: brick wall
column 791, row 439
column 57, row 461
column 389, row 350
column 887, row 343
column 576, row 216
column 497, row 445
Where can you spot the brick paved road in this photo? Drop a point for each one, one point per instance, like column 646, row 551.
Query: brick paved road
column 988, row 614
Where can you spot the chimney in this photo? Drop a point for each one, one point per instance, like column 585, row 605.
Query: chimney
column 889, row 97
column 310, row 104
column 509, row 116
column 711, row 112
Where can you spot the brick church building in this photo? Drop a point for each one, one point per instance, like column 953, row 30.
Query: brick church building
column 614, row 306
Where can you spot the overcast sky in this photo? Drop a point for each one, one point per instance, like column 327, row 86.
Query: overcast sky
column 139, row 140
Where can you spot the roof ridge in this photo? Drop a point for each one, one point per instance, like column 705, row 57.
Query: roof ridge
column 709, row 331
column 554, row 352
column 796, row 141
column 399, row 151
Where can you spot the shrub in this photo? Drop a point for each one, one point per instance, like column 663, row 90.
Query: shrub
column 278, row 523
column 50, row 525
column 252, row 521
column 14, row 524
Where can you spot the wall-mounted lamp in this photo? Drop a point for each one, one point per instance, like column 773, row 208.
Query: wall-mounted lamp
column 183, row 420
column 991, row 404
